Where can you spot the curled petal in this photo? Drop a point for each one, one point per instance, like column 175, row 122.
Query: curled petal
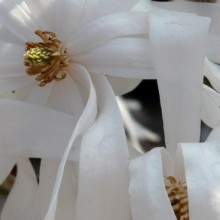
column 210, row 107
column 107, row 28
column 202, row 165
column 84, row 122
column 104, row 162
column 212, row 72
column 149, row 198
column 123, row 57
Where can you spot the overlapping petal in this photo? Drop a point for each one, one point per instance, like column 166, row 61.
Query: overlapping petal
column 107, row 28
column 17, row 18
column 210, row 107
column 204, row 9
column 117, row 59
column 179, row 42
column 212, row 72
column 105, row 7
column 197, row 164
column 108, row 175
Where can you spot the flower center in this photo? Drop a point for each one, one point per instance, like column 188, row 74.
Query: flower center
column 48, row 60
column 177, row 193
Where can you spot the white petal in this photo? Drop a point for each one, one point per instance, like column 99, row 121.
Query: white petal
column 39, row 95
column 107, row 28
column 33, row 131
column 179, row 42
column 6, row 164
column 67, row 16
column 204, row 9
column 201, row 162
column 210, row 107
column 212, row 72
column 66, row 96
column 105, row 7
column 88, row 7
column 85, row 121
column 103, row 169
column 149, row 198
column 67, row 194
column 122, row 85
column 8, row 37
column 142, row 5
column 47, row 176
column 133, row 53
column 21, row 202
column 9, row 84
column 17, row 19
column 42, row 13
column 11, row 60
column 123, row 71
column 214, row 136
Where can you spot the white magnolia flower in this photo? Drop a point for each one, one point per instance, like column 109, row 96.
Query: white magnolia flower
column 62, row 55
column 181, row 189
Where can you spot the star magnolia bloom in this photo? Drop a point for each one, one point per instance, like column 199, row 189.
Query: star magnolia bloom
column 183, row 189
column 70, row 47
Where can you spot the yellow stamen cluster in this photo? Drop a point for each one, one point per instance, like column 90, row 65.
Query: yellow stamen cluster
column 38, row 56
column 48, row 59
column 177, row 193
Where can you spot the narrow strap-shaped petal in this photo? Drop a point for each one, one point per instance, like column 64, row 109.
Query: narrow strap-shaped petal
column 105, row 7
column 121, row 85
column 9, row 84
column 179, row 42
column 214, row 136
column 149, row 199
column 103, row 165
column 212, row 72
column 69, row 94
column 84, row 122
column 204, row 9
column 8, row 37
column 11, row 60
column 39, row 95
column 68, row 189
column 122, row 57
column 17, row 19
column 104, row 29
column 21, row 203
column 202, row 171
column 67, row 15
column 210, row 107
column 33, row 131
